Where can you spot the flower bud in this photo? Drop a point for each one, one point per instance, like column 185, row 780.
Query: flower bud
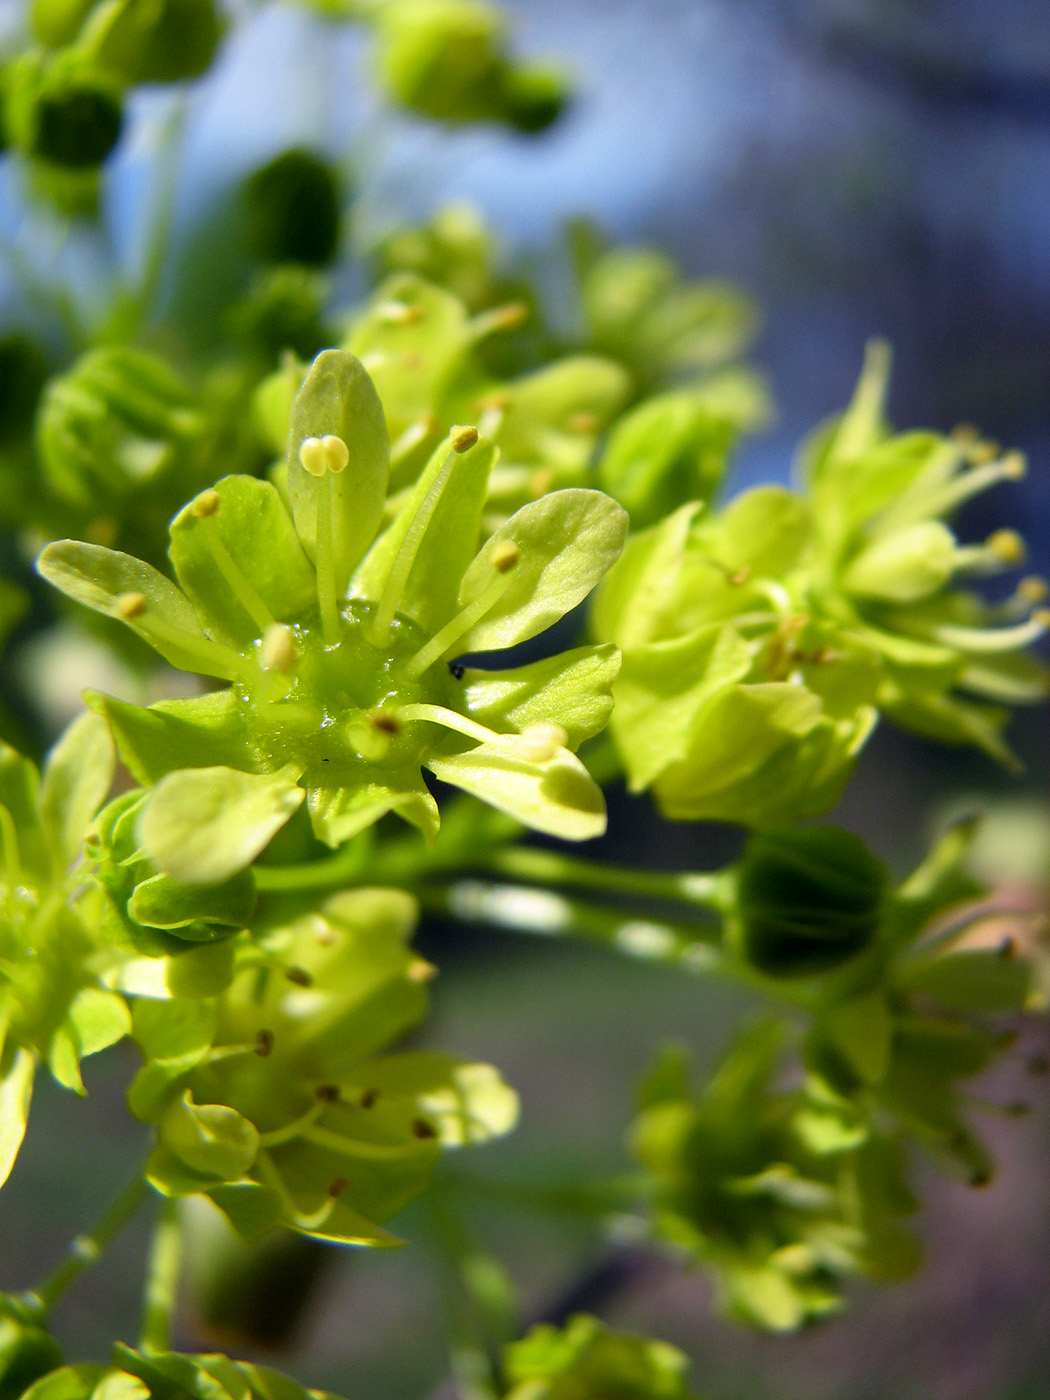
column 115, row 421
column 27, row 1352
column 442, row 58
column 62, row 110
column 154, row 41
column 808, row 900
column 292, row 210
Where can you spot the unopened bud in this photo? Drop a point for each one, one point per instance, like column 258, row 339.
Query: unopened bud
column 131, row 605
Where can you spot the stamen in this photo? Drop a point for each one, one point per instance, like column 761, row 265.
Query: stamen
column 320, row 455
column 991, row 639
column 205, row 507
column 538, row 743
column 500, row 318
column 294, row 1129
column 446, row 638
column 416, row 433
column 438, row 714
column 461, row 439
column 209, row 657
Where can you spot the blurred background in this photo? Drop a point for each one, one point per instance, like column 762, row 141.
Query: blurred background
column 861, row 167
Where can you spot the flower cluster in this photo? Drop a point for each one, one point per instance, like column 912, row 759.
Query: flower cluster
column 335, row 630
column 586, row 1361
column 761, row 641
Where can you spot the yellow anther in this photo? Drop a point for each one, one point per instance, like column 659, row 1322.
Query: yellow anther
column 584, row 423
column 131, row 605
column 338, row 454
column 385, row 723
column 313, row 456
column 1042, row 617
column 1033, row 589
column 463, row 438
column 982, row 452
column 206, row 504
column 504, row 556
column 324, row 454
column 1015, row 464
column 540, row 742
column 509, row 317
column 102, row 531
column 499, row 401
column 966, row 435
column 1007, row 546
column 277, row 651
column 419, row 970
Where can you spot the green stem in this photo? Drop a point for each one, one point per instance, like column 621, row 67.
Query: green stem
column 554, row 868
column 86, row 1249
column 588, row 1200
column 333, row 872
column 162, row 1280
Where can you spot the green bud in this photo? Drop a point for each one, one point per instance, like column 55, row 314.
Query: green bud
column 442, row 58
column 114, row 423
column 153, row 41
column 23, row 370
column 27, row 1352
column 63, row 110
column 292, row 210
column 57, row 23
column 534, row 98
column 807, row 900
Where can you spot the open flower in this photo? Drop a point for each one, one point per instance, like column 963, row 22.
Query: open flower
column 338, row 635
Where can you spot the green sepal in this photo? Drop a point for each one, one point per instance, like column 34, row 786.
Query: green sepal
column 173, row 1030
column 161, row 902
column 67, row 1383
column 19, row 794
column 414, row 355
column 17, row 1069
column 99, row 578
column 338, row 398
column 203, row 825
column 575, row 687
column 96, row 1019
column 637, row 600
column 986, row 981
column 205, row 731
column 76, row 777
column 251, row 527
column 566, row 542
column 558, row 797
column 339, row 813
column 211, row 1139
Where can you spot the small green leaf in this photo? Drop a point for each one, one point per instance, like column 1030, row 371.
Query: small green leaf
column 172, row 1030
column 558, row 797
column 16, row 1090
column 67, row 1383
column 203, row 825
column 210, row 1138
column 77, row 776
column 134, row 593
column 565, row 543
column 338, row 399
